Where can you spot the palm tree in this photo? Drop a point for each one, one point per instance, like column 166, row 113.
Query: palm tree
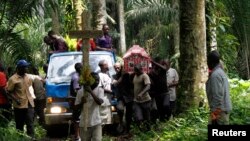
column 78, row 6
column 192, row 60
column 121, row 25
column 99, row 13
column 240, row 12
column 157, row 25
column 12, row 45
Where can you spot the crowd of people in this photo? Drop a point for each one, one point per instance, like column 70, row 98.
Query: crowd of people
column 25, row 92
column 142, row 98
column 136, row 93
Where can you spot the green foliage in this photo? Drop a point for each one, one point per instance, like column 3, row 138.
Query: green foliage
column 13, row 46
column 239, row 12
column 150, row 24
column 8, row 131
column 40, row 132
column 227, row 43
column 11, row 134
column 227, row 46
column 69, row 15
column 149, row 8
column 34, row 33
column 191, row 126
column 12, row 13
column 240, row 96
column 71, row 43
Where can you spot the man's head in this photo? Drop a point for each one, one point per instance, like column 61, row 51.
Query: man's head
column 166, row 63
column 213, row 59
column 103, row 64
column 22, row 67
column 47, row 40
column 138, row 69
column 105, row 29
column 118, row 67
column 78, row 67
column 51, row 34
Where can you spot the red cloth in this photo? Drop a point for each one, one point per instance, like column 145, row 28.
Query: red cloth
column 91, row 42
column 3, row 82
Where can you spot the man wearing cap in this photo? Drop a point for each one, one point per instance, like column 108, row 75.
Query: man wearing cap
column 19, row 86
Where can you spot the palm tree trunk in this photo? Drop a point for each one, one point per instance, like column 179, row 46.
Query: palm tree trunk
column 41, row 13
column 211, row 25
column 99, row 8
column 193, row 70
column 121, row 25
column 176, row 30
column 247, row 52
column 55, row 18
column 79, row 9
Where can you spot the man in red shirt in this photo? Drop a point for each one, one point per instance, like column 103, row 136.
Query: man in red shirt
column 91, row 42
column 5, row 106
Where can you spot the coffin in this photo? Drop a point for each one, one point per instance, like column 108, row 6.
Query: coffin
column 135, row 55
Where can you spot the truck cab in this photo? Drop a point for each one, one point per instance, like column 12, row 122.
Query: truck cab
column 60, row 69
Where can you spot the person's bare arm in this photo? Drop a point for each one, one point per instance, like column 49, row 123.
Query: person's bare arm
column 99, row 101
column 145, row 89
column 103, row 49
column 159, row 65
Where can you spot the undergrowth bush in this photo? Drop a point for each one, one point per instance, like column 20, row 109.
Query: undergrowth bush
column 240, row 96
column 9, row 133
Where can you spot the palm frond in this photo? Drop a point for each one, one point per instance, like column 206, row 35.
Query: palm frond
column 153, row 31
column 148, row 8
column 20, row 11
column 13, row 46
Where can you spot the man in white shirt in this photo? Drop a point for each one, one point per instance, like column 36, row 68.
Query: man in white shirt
column 105, row 83
column 93, row 98
column 172, row 82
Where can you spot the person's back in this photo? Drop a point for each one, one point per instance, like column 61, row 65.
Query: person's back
column 56, row 42
column 60, row 45
column 40, row 101
column 39, row 90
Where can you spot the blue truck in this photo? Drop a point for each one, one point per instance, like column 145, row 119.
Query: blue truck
column 60, row 69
